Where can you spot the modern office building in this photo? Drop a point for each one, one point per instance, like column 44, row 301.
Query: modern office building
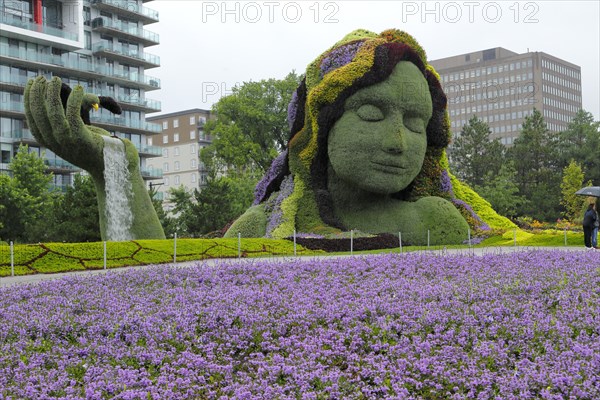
column 181, row 140
column 502, row 87
column 99, row 44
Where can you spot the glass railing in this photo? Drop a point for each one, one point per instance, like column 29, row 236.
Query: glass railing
column 151, row 172
column 58, row 163
column 129, row 6
column 130, row 99
column 205, row 138
column 78, row 64
column 100, row 22
column 126, row 122
column 140, row 55
column 13, row 106
column 13, row 79
column 23, row 134
column 154, row 150
column 13, row 20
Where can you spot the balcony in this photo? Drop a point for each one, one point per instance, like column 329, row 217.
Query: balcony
column 205, row 139
column 25, row 22
column 149, row 151
column 12, row 82
column 58, row 165
column 131, row 102
column 127, row 9
column 111, row 123
column 151, row 173
column 122, row 54
column 132, row 33
column 23, row 136
column 77, row 67
column 12, row 108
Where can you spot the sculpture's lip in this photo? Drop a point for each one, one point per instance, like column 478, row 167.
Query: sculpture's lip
column 388, row 166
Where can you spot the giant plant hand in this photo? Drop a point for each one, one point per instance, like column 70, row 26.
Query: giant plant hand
column 61, row 129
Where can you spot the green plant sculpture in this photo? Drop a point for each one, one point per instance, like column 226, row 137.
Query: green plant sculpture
column 125, row 208
column 369, row 128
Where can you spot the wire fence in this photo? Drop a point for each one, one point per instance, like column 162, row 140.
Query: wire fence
column 17, row 259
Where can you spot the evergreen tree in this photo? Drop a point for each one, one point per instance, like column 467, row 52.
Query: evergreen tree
column 535, row 157
column 502, row 192
column 473, row 155
column 76, row 213
column 581, row 142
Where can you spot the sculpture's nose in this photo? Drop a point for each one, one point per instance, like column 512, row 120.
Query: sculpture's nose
column 394, row 141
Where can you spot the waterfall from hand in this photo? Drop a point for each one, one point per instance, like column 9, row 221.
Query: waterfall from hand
column 118, row 191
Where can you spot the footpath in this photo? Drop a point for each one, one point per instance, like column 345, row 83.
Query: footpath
column 475, row 251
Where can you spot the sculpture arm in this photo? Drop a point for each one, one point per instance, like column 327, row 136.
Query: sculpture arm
column 63, row 131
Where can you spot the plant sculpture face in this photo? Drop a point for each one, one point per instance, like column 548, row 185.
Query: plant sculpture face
column 378, row 145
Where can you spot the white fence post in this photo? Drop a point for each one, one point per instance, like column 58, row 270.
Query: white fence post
column 427, row 239
column 565, row 236
column 12, row 259
column 351, row 241
column 104, row 253
column 239, row 245
column 175, row 247
column 294, row 242
column 400, row 241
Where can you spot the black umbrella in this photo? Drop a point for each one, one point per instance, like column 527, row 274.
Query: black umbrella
column 593, row 191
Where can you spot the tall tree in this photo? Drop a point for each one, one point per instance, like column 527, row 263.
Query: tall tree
column 502, row 192
column 473, row 155
column 535, row 156
column 25, row 197
column 572, row 181
column 251, row 126
column 581, row 142
column 76, row 213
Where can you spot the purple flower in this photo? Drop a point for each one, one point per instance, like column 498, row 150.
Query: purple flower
column 275, row 170
column 446, row 183
column 339, row 57
column 292, row 110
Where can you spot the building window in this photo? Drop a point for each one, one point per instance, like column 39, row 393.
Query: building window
column 177, row 180
column 165, row 124
column 165, row 139
column 166, row 180
column 177, row 167
column 193, row 178
column 166, row 153
column 175, row 123
column 176, row 137
column 193, row 163
column 193, row 134
column 149, row 141
column 176, row 151
column 193, row 149
column 165, row 167
column 192, row 120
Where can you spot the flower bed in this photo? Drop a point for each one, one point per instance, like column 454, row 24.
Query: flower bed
column 520, row 325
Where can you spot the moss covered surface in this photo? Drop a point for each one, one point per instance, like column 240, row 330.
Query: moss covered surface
column 63, row 257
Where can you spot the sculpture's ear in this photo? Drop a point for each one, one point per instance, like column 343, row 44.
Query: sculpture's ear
column 110, row 104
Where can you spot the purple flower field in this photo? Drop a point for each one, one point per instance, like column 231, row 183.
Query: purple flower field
column 506, row 326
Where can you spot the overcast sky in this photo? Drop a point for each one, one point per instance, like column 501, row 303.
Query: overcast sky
column 207, row 47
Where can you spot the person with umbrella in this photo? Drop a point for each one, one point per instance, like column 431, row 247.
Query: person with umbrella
column 591, row 216
column 589, row 219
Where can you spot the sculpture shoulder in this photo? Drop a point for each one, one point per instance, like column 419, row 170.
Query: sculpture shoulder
column 436, row 210
column 252, row 224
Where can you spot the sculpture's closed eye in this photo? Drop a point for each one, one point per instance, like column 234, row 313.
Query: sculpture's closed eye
column 369, row 112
